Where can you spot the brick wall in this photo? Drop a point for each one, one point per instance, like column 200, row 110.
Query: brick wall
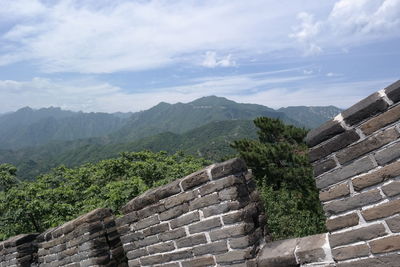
column 18, row 251
column 357, row 169
column 207, row 218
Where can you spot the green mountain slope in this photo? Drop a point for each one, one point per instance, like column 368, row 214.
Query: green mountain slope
column 311, row 117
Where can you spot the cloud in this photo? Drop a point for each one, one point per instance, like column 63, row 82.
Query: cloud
column 211, row 60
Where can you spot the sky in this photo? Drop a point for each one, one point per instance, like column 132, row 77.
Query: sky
column 129, row 55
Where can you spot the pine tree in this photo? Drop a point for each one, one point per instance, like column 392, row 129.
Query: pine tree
column 280, row 164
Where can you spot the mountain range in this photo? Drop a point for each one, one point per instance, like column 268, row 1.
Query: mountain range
column 38, row 140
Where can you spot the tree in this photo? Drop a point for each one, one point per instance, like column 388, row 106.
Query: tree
column 8, row 177
column 281, row 167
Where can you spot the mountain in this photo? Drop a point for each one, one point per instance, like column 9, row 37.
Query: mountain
column 311, row 117
column 27, row 127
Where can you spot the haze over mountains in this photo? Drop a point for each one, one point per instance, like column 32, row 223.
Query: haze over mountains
column 37, row 140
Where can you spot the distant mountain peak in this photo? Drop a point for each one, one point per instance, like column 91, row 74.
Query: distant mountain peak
column 212, row 100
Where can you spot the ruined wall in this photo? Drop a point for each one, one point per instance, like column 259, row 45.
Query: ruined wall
column 19, row 250
column 209, row 217
column 357, row 169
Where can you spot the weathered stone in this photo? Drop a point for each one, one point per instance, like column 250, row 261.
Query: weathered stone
column 179, row 199
column 357, row 167
column 156, row 229
column 134, row 254
column 194, row 179
column 234, row 256
column 383, row 210
column 364, row 109
column 173, row 234
column 205, row 201
column 386, row 244
column 220, row 184
column 204, row 225
column 326, row 131
column 140, row 202
column 150, row 221
column 151, row 260
column 199, row 262
column 344, row 221
column 388, row 172
column 310, row 249
column 323, row 166
column 352, row 202
column 159, row 248
column 381, row 121
column 231, row 231
column 233, row 166
column 191, row 241
column 247, row 240
column 391, row 189
column 179, row 255
column 185, row 219
column 357, row 235
column 350, row 252
column 338, row 142
column 393, row 91
column 212, row 248
column 388, row 154
column 168, row 190
column 335, row 191
column 367, row 145
column 174, row 212
column 150, row 210
column 279, row 254
column 377, row 261
column 394, row 224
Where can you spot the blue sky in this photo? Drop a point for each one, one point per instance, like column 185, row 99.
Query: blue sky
column 121, row 55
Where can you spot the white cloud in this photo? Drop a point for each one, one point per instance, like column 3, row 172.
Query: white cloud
column 211, row 60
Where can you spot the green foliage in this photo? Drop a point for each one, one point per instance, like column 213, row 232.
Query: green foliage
column 64, row 193
column 283, row 173
column 7, row 176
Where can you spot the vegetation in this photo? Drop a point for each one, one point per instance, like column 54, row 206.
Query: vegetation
column 65, row 193
column 284, row 176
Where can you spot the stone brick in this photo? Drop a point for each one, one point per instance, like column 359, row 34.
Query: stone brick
column 381, row 121
column 352, row 202
column 173, row 234
column 350, row 252
column 233, row 166
column 194, row 179
column 234, row 256
column 179, row 199
column 199, row 262
column 174, row 212
column 383, row 210
column 185, row 219
column 333, row 145
column 357, row 235
column 367, row 145
column 393, row 91
column 388, row 172
column 394, row 224
column 179, row 255
column 219, row 208
column 204, row 225
column 378, row 261
column 191, row 241
column 310, row 249
column 232, row 193
column 212, row 248
column 279, row 254
column 134, row 254
column 391, row 189
column 159, row 248
column 205, row 201
column 386, row 244
column 150, row 221
column 146, row 199
column 323, row 166
column 220, row 184
column 151, row 260
column 150, row 210
column 168, row 190
column 388, row 154
column 326, row 131
column 156, row 229
column 357, row 167
column 247, row 240
column 364, row 109
column 231, row 231
column 335, row 191
column 344, row 221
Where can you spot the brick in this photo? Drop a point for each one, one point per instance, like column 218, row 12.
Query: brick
column 383, row 210
column 364, row 109
column 151, row 260
column 381, row 121
column 146, row 241
column 340, row 222
column 310, row 249
column 137, row 253
column 199, row 262
column 150, row 210
column 378, row 261
column 231, row 231
column 204, row 201
column 394, row 224
column 168, row 190
column 232, row 166
column 323, row 166
column 205, row 225
column 220, row 184
column 156, row 229
column 357, row 235
column 159, row 248
column 391, row 189
column 350, row 252
column 367, row 145
column 194, row 179
column 174, row 212
column 247, row 240
column 219, row 208
column 388, row 172
column 146, row 199
column 326, row 131
column 150, row 221
column 279, row 253
column 388, row 154
column 333, row 192
column 191, row 241
column 338, row 142
column 393, row 91
column 386, row 244
column 212, row 248
column 179, row 199
column 173, row 234
column 352, row 202
column 234, row 256
column 179, row 255
column 357, row 167
column 185, row 219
